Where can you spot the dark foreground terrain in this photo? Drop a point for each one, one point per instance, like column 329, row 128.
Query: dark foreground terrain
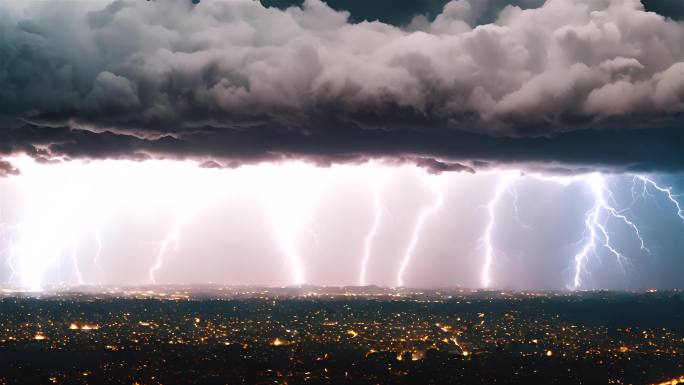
column 216, row 335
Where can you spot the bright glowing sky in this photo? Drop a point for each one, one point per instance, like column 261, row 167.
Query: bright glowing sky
column 176, row 141
column 124, row 222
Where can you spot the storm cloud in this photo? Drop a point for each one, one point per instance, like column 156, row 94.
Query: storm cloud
column 567, row 86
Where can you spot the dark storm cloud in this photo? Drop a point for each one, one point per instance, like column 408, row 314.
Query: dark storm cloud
column 571, row 85
column 401, row 12
column 434, row 166
column 6, row 168
column 639, row 150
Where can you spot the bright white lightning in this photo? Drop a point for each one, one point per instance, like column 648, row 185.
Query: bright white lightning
column 75, row 266
column 487, row 239
column 597, row 235
column 98, row 251
column 52, row 225
column 50, row 231
column 9, row 252
column 171, row 241
column 667, row 191
column 43, row 240
column 289, row 195
column 286, row 236
column 377, row 205
column 415, row 237
column 63, row 204
column 5, row 253
column 188, row 203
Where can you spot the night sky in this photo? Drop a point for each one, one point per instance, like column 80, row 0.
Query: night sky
column 521, row 144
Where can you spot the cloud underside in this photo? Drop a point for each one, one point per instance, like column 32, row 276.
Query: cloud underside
column 570, row 86
column 639, row 150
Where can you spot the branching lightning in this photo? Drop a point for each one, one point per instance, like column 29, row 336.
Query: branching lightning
column 42, row 236
column 415, row 237
column 596, row 233
column 9, row 252
column 667, row 191
column 595, row 228
column 43, row 240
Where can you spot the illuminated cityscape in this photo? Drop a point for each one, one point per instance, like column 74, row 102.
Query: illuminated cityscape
column 215, row 334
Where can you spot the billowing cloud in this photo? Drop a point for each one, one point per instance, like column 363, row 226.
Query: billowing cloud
column 567, row 85
column 6, row 168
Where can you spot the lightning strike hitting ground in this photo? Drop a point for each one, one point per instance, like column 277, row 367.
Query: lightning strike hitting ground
column 9, row 253
column 289, row 195
column 287, row 223
column 377, row 209
column 596, row 233
column 415, row 238
column 76, row 269
column 42, row 242
column 98, row 250
column 490, row 252
column 5, row 252
column 595, row 228
column 171, row 240
column 40, row 238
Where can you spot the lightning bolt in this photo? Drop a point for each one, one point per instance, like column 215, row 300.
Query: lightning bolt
column 377, row 205
column 76, row 269
column 98, row 250
column 286, row 234
column 44, row 243
column 424, row 214
column 289, row 196
column 596, row 233
column 667, row 191
column 172, row 239
column 5, row 252
column 513, row 191
column 595, row 228
column 40, row 246
column 186, row 205
column 9, row 251
column 10, row 262
column 487, row 239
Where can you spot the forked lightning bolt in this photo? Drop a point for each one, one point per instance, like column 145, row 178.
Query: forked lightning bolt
column 667, row 191
column 596, row 234
column 38, row 246
column 595, row 228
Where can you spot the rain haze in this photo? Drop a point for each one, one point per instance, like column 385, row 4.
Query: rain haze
column 481, row 144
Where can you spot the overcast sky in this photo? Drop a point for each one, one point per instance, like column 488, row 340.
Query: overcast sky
column 580, row 83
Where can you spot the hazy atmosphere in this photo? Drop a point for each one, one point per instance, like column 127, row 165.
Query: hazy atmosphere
column 483, row 144
column 119, row 222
